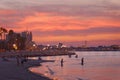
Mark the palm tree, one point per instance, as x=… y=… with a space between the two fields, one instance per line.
x=11 y=32
x=3 y=31
x=11 y=39
x=0 y=35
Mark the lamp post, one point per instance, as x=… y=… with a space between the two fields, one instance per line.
x=15 y=46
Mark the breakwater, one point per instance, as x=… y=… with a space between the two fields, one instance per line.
x=35 y=53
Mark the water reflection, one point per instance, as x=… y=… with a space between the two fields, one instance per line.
x=97 y=66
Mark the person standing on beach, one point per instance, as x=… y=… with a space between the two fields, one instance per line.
x=82 y=61
x=24 y=59
x=18 y=62
x=69 y=56
x=76 y=56
x=62 y=62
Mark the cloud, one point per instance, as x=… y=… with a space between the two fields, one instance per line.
x=86 y=32
x=69 y=38
x=104 y=10
x=61 y=20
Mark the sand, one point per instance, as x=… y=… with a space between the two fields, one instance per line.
x=9 y=70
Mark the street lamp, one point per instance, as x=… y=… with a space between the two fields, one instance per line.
x=34 y=45
x=15 y=46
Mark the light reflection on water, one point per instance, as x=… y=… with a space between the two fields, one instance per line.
x=97 y=66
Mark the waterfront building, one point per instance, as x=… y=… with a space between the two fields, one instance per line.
x=29 y=43
x=19 y=41
x=60 y=45
x=2 y=45
x=27 y=35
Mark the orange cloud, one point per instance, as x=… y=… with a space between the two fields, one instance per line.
x=6 y=12
x=77 y=38
x=44 y=21
x=104 y=22
x=49 y=21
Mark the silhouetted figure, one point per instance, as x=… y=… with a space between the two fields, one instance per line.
x=23 y=60
x=39 y=58
x=82 y=61
x=5 y=59
x=69 y=56
x=18 y=62
x=76 y=56
x=62 y=62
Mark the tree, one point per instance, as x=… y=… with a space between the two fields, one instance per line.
x=0 y=35
x=11 y=32
x=11 y=39
x=3 y=31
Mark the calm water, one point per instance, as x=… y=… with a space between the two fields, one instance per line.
x=97 y=66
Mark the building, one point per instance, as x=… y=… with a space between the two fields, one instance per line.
x=27 y=35
x=29 y=44
x=19 y=41
x=2 y=45
x=60 y=45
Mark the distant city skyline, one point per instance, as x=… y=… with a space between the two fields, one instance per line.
x=66 y=21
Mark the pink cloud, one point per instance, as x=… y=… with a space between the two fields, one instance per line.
x=64 y=22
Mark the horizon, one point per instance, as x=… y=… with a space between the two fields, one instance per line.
x=82 y=43
x=68 y=22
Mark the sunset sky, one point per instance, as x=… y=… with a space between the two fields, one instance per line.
x=67 y=21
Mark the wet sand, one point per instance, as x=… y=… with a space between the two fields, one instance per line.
x=9 y=70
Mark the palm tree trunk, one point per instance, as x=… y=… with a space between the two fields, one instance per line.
x=0 y=36
x=4 y=36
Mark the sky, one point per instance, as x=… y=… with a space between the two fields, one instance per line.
x=68 y=21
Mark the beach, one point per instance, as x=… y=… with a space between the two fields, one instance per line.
x=12 y=68
x=9 y=70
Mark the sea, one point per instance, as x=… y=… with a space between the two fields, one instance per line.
x=97 y=65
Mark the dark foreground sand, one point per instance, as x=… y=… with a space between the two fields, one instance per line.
x=9 y=70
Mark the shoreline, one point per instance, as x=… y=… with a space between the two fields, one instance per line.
x=9 y=70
